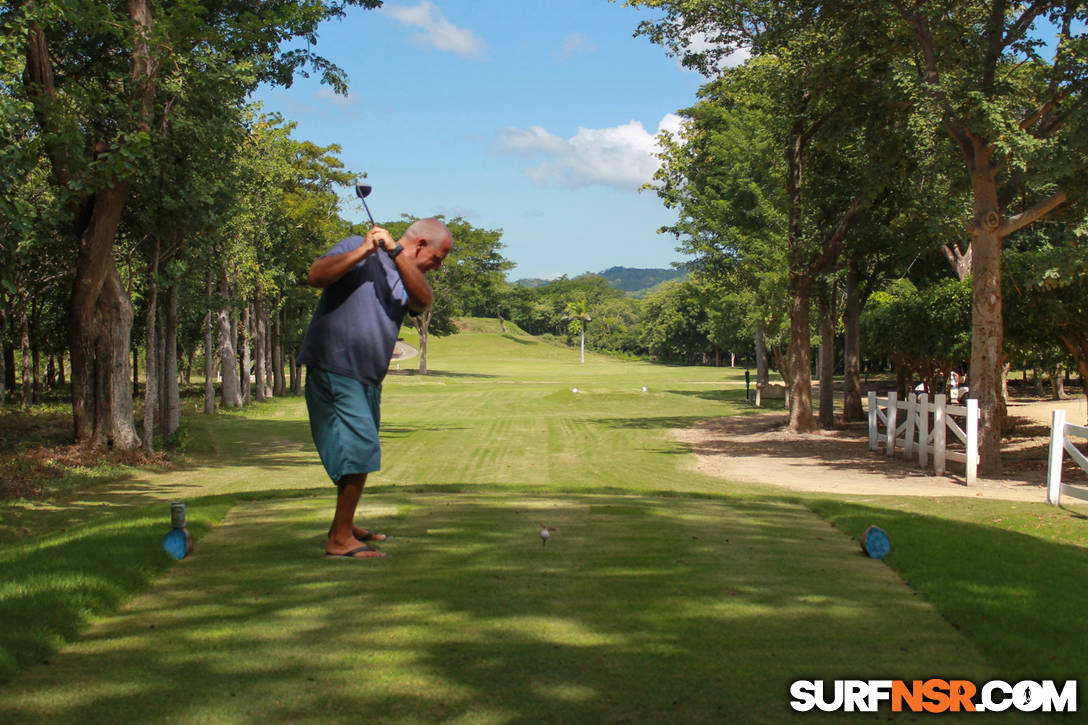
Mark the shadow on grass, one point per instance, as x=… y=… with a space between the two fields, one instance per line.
x=651 y=422
x=54 y=585
x=730 y=394
x=267 y=445
x=471 y=617
x=520 y=340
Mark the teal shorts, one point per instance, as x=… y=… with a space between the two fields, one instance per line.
x=344 y=418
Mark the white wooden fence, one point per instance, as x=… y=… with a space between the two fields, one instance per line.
x=1059 y=445
x=923 y=428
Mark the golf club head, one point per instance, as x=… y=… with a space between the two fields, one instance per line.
x=363 y=191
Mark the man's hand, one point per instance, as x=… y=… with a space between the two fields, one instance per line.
x=378 y=237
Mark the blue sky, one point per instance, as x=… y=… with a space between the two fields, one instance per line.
x=531 y=116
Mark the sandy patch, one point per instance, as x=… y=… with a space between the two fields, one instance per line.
x=756 y=448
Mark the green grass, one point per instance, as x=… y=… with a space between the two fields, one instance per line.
x=1010 y=575
x=640 y=607
x=664 y=595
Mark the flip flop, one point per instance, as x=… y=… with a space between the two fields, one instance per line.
x=370 y=536
x=357 y=550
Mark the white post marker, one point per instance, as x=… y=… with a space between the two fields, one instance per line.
x=893 y=414
x=972 y=440
x=923 y=429
x=908 y=433
x=940 y=435
x=1054 y=461
x=874 y=434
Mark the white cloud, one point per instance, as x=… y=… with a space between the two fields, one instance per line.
x=529 y=141
x=574 y=44
x=438 y=32
x=623 y=157
x=699 y=42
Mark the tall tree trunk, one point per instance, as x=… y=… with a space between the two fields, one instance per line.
x=256 y=319
x=422 y=322
x=209 y=349
x=151 y=390
x=851 y=404
x=100 y=332
x=248 y=335
x=160 y=359
x=987 y=326
x=35 y=351
x=827 y=365
x=10 y=369
x=266 y=320
x=171 y=394
x=231 y=394
x=115 y=422
x=279 y=385
x=762 y=367
x=24 y=343
x=3 y=352
x=235 y=337
x=296 y=373
x=60 y=368
x=799 y=356
x=293 y=373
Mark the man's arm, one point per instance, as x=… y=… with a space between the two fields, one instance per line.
x=420 y=295
x=326 y=270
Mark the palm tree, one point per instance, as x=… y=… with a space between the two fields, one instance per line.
x=577 y=315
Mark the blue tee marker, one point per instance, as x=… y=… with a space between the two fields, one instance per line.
x=177 y=543
x=875 y=542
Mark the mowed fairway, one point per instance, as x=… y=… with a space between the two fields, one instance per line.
x=662 y=596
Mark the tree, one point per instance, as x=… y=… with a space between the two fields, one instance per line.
x=924 y=332
x=1048 y=303
x=577 y=315
x=1017 y=120
x=102 y=79
x=821 y=87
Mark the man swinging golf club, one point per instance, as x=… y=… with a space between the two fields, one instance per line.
x=368 y=284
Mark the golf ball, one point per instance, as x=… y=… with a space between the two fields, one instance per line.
x=574 y=390
x=545 y=534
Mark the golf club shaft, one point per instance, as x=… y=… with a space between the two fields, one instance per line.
x=369 y=214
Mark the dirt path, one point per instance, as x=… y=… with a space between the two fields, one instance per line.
x=755 y=448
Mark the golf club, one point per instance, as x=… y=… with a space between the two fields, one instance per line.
x=363 y=191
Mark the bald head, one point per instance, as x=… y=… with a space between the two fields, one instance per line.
x=431 y=230
x=428 y=241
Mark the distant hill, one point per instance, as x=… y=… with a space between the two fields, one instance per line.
x=626 y=279
x=532 y=282
x=633 y=279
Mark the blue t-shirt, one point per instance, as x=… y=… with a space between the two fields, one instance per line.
x=355 y=326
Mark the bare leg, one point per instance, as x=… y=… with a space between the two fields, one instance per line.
x=341 y=536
